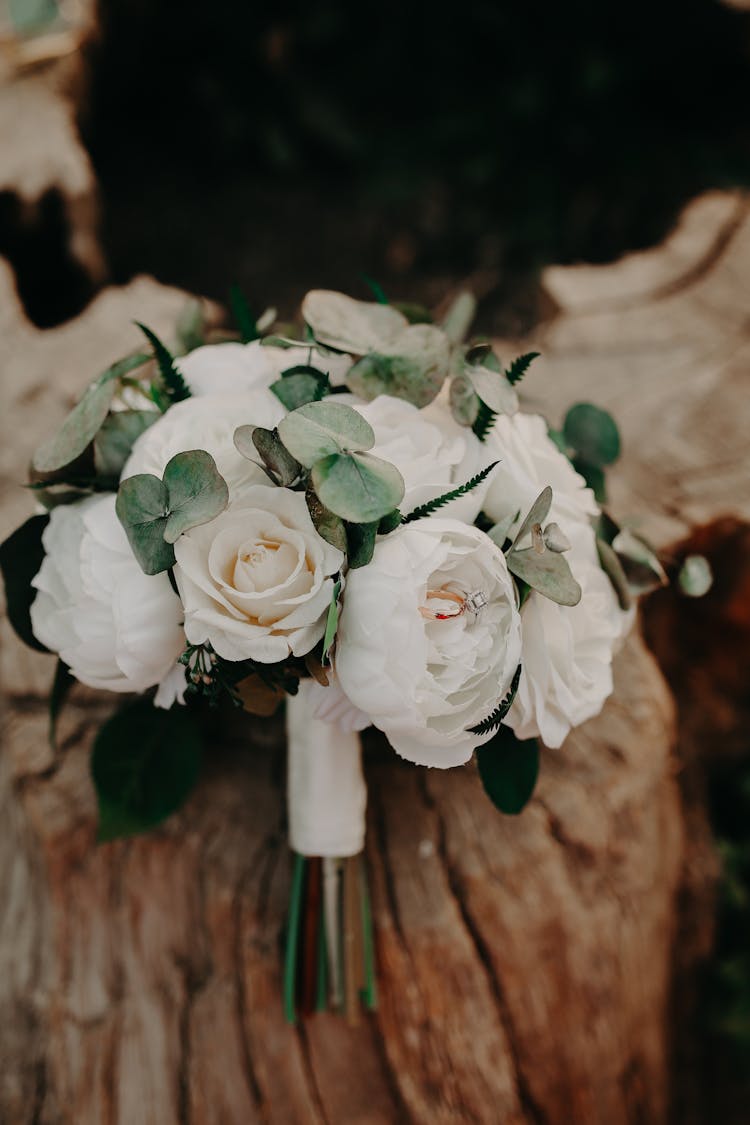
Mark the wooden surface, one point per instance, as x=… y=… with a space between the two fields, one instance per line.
x=525 y=964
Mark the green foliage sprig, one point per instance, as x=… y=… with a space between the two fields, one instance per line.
x=427 y=509
x=484 y=421
x=493 y=721
x=518 y=368
x=173 y=384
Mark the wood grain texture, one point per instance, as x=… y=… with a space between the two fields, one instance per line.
x=525 y=964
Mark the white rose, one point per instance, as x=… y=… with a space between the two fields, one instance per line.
x=567 y=650
x=208 y=423
x=114 y=626
x=233 y=368
x=424 y=681
x=255 y=582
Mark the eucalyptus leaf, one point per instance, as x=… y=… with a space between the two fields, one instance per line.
x=142 y=509
x=21 y=556
x=592 y=433
x=328 y=526
x=461 y=313
x=537 y=514
x=114 y=442
x=332 y=621
x=82 y=424
x=500 y=532
x=594 y=477
x=696 y=577
x=320 y=429
x=360 y=543
x=412 y=367
x=144 y=764
x=197 y=492
x=548 y=573
x=297 y=389
x=390 y=522
x=357 y=486
x=555 y=538
x=252 y=441
x=493 y=388
x=612 y=567
x=508 y=768
x=464 y=401
x=640 y=562
x=348 y=325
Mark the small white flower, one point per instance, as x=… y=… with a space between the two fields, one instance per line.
x=423 y=681
x=208 y=423
x=256 y=581
x=114 y=626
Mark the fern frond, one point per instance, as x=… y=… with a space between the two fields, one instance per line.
x=174 y=385
x=484 y=420
x=440 y=501
x=493 y=721
x=519 y=367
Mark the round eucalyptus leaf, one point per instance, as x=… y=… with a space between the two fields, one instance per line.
x=412 y=367
x=493 y=388
x=141 y=506
x=357 y=487
x=348 y=325
x=508 y=768
x=114 y=442
x=464 y=401
x=299 y=388
x=696 y=577
x=592 y=433
x=547 y=573
x=320 y=429
x=197 y=492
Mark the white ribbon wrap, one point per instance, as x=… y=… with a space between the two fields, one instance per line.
x=326 y=790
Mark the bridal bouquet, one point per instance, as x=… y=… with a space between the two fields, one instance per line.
x=354 y=517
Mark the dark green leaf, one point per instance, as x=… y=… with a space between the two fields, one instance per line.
x=21 y=556
x=415 y=314
x=61 y=686
x=509 y=769
x=431 y=506
x=280 y=465
x=298 y=388
x=390 y=522
x=144 y=764
x=376 y=289
x=612 y=567
x=82 y=424
x=519 y=367
x=175 y=386
x=360 y=543
x=592 y=433
x=495 y=719
x=328 y=526
x=594 y=477
x=244 y=319
x=484 y=421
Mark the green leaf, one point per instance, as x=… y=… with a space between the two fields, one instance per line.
x=114 y=442
x=390 y=522
x=82 y=424
x=145 y=762
x=332 y=621
x=484 y=421
x=492 y=388
x=191 y=325
x=415 y=314
x=495 y=719
x=594 y=477
x=464 y=401
x=508 y=768
x=21 y=556
x=548 y=573
x=695 y=578
x=360 y=543
x=197 y=492
x=558 y=438
x=500 y=532
x=61 y=686
x=519 y=367
x=320 y=429
x=244 y=319
x=612 y=567
x=592 y=433
x=431 y=506
x=640 y=562
x=297 y=389
x=328 y=526
x=357 y=486
x=142 y=508
x=412 y=367
x=278 y=461
x=175 y=386
x=461 y=313
x=376 y=288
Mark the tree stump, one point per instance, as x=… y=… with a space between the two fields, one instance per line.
x=524 y=964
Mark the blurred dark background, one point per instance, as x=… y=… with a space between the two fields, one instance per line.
x=281 y=146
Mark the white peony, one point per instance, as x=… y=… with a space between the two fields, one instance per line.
x=256 y=581
x=114 y=626
x=233 y=368
x=424 y=681
x=208 y=423
x=567 y=650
